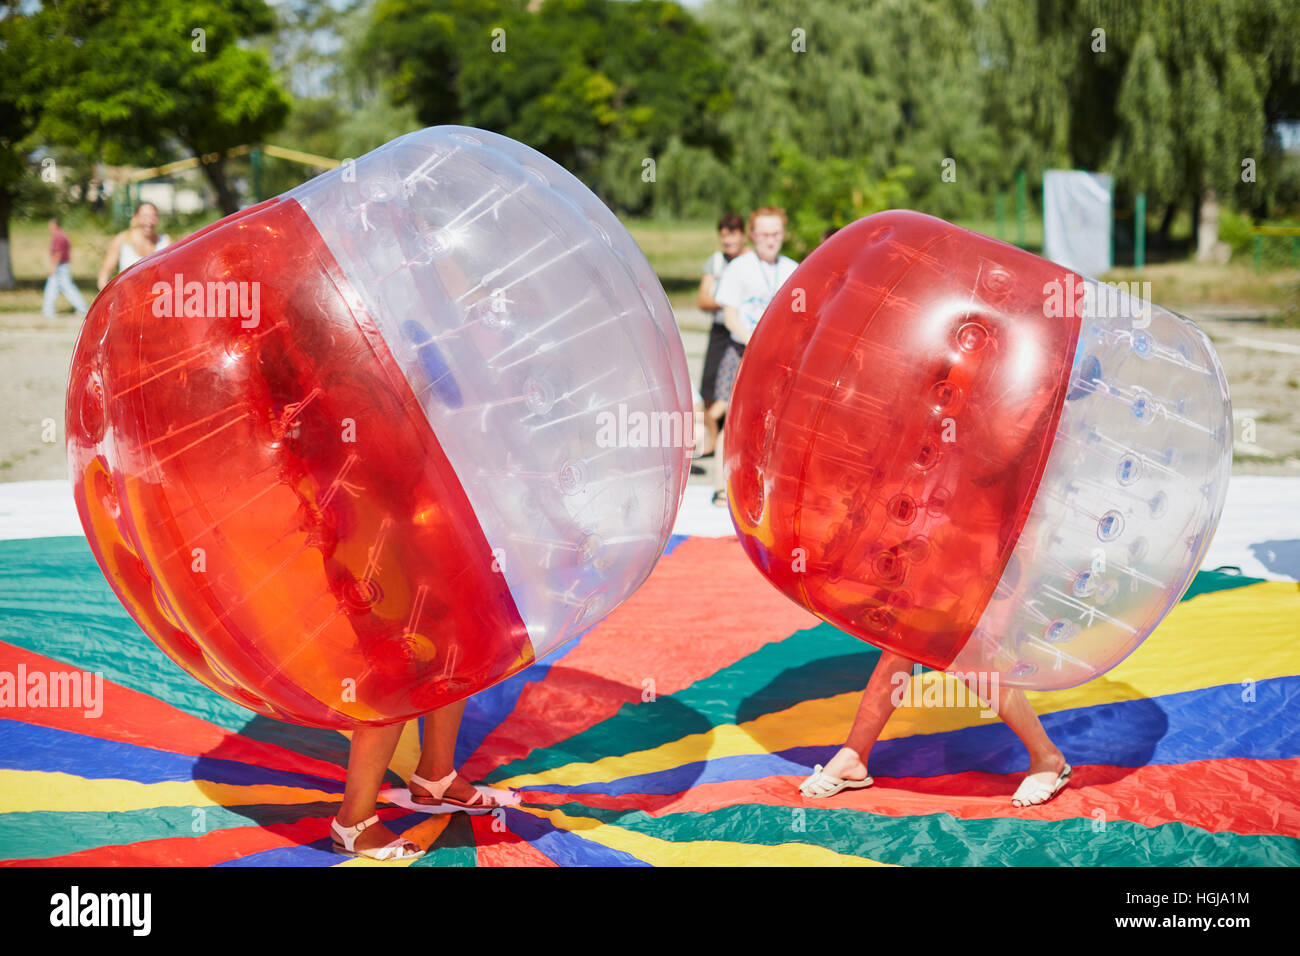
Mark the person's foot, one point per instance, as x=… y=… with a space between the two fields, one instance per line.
x=847 y=765
x=1039 y=784
x=459 y=789
x=846 y=771
x=373 y=837
x=720 y=498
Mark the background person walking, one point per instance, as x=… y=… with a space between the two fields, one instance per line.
x=60 y=278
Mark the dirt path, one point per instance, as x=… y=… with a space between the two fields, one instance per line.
x=1262 y=364
x=34 y=356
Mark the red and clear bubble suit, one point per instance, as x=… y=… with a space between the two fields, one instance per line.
x=365 y=449
x=961 y=452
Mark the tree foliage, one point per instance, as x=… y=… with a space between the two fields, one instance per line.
x=129 y=80
x=1170 y=96
x=831 y=108
x=596 y=85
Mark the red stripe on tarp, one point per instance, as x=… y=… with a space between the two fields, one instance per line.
x=504 y=848
x=655 y=634
x=1235 y=795
x=132 y=717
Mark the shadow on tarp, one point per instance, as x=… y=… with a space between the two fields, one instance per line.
x=638 y=725
x=1120 y=736
x=1280 y=557
x=326 y=745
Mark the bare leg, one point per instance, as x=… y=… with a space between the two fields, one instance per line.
x=874 y=710
x=1045 y=760
x=438 y=752
x=708 y=423
x=719 y=475
x=368 y=757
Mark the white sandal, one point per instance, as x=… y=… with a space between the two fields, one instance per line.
x=345 y=839
x=436 y=802
x=1033 y=793
x=822 y=784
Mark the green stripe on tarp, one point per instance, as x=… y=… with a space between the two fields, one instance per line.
x=55 y=601
x=940 y=838
x=39 y=834
x=1207 y=582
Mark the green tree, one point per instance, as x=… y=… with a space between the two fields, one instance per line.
x=133 y=79
x=583 y=81
x=890 y=88
x=20 y=111
x=1142 y=153
x=1169 y=96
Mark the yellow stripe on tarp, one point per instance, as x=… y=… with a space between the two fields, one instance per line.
x=407 y=755
x=725 y=740
x=31 y=790
x=659 y=852
x=1250 y=632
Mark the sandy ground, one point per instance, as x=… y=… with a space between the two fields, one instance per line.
x=1262 y=365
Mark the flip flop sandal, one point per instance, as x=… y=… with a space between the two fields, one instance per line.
x=1033 y=793
x=822 y=784
x=345 y=838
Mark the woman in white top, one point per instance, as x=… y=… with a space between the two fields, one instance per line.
x=134 y=243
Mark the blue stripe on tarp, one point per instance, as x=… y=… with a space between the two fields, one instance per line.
x=563 y=847
x=673 y=541
x=697 y=773
x=316 y=853
x=1179 y=728
x=26 y=746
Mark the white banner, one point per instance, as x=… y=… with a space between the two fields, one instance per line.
x=1077 y=220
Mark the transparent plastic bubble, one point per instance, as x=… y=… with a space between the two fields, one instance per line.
x=1084 y=453
x=338 y=452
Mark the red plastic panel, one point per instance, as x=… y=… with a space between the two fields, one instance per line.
x=890 y=424
x=266 y=496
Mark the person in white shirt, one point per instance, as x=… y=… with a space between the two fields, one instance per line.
x=748 y=284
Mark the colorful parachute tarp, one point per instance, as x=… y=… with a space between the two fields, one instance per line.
x=675 y=732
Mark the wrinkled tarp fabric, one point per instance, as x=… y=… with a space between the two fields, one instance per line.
x=675 y=732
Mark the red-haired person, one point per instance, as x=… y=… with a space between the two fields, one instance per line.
x=747 y=285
